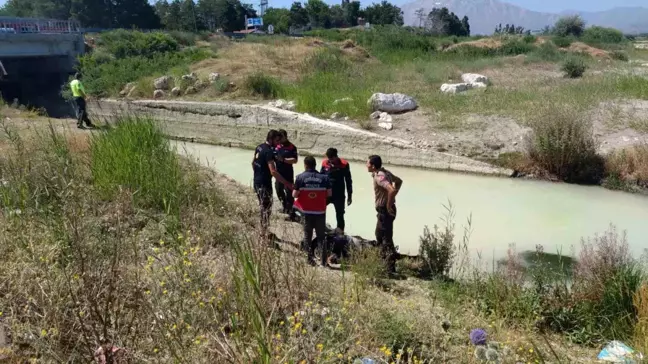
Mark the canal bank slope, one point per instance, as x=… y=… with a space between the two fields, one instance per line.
x=244 y=126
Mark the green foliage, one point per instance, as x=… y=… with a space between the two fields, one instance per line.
x=511 y=29
x=563 y=144
x=259 y=84
x=184 y=39
x=279 y=18
x=130 y=43
x=384 y=13
x=107 y=78
x=546 y=52
x=595 y=35
x=574 y=67
x=569 y=26
x=319 y=13
x=562 y=41
x=443 y=22
x=298 y=15
x=620 y=56
x=531 y=39
x=134 y=153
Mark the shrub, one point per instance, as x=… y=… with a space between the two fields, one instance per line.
x=184 y=38
x=547 y=51
x=261 y=85
x=135 y=154
x=600 y=35
x=529 y=39
x=437 y=251
x=130 y=43
x=574 y=67
x=620 y=56
x=562 y=42
x=108 y=78
x=330 y=60
x=569 y=25
x=562 y=143
x=514 y=47
x=630 y=165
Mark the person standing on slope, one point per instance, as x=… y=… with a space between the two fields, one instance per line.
x=263 y=165
x=79 y=94
x=286 y=156
x=386 y=187
x=339 y=173
x=311 y=192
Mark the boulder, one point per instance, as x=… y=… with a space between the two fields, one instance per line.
x=190 y=90
x=127 y=89
x=375 y=115
x=176 y=91
x=454 y=88
x=213 y=77
x=283 y=104
x=280 y=104
x=391 y=103
x=158 y=94
x=162 y=83
x=472 y=78
x=192 y=77
x=386 y=126
x=478 y=85
x=384 y=118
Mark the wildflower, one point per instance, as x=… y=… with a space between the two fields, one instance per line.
x=155 y=250
x=531 y=351
x=320 y=347
x=155 y=350
x=388 y=352
x=147 y=292
x=280 y=324
x=162 y=284
x=197 y=341
x=340 y=356
x=303 y=331
x=43 y=333
x=278 y=336
x=165 y=292
x=81 y=313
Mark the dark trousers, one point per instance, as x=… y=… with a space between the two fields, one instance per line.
x=317 y=223
x=339 y=202
x=82 y=113
x=285 y=196
x=385 y=237
x=264 y=194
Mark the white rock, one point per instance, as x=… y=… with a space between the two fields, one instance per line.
x=478 y=85
x=190 y=77
x=472 y=78
x=158 y=94
x=386 y=126
x=391 y=103
x=644 y=65
x=290 y=106
x=335 y=116
x=162 y=83
x=375 y=115
x=213 y=77
x=176 y=91
x=280 y=103
x=454 y=88
x=385 y=118
x=346 y=99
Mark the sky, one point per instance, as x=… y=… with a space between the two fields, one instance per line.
x=538 y=5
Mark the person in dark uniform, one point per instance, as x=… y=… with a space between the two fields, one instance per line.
x=286 y=156
x=311 y=192
x=339 y=173
x=386 y=187
x=263 y=165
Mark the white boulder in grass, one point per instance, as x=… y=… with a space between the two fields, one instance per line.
x=472 y=78
x=455 y=88
x=391 y=103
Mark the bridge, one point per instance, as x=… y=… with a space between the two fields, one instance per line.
x=37 y=56
x=47 y=44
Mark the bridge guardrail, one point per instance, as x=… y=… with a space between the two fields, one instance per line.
x=14 y=25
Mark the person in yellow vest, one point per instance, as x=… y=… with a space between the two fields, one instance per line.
x=78 y=92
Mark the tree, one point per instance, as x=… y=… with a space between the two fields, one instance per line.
x=188 y=17
x=569 y=25
x=420 y=15
x=135 y=13
x=511 y=29
x=352 y=12
x=338 y=19
x=279 y=18
x=384 y=14
x=319 y=14
x=298 y=15
x=443 y=22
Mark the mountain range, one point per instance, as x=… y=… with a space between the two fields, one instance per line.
x=485 y=15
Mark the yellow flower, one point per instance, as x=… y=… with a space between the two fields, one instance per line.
x=43 y=332
x=147 y=292
x=280 y=324
x=340 y=356
x=197 y=341
x=303 y=332
x=320 y=347
x=165 y=292
x=278 y=336
x=531 y=350
x=162 y=284
x=155 y=350
x=388 y=352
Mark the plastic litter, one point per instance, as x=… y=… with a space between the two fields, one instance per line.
x=618 y=352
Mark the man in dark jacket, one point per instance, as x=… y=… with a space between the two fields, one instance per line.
x=285 y=156
x=339 y=173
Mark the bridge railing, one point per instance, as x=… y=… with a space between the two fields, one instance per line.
x=43 y=26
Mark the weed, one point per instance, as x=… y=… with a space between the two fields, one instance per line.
x=563 y=144
x=640 y=301
x=596 y=35
x=131 y=43
x=630 y=165
x=259 y=84
x=135 y=154
x=620 y=56
x=184 y=38
x=548 y=52
x=574 y=67
x=562 y=42
x=531 y=39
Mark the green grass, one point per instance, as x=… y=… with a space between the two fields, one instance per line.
x=262 y=85
x=133 y=153
x=107 y=78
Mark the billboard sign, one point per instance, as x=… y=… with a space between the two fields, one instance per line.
x=254 y=22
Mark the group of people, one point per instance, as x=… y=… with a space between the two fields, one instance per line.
x=310 y=192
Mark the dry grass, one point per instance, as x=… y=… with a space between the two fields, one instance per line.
x=491 y=43
x=240 y=60
x=641 y=330
x=630 y=164
x=579 y=47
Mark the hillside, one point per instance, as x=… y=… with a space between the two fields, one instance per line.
x=486 y=14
